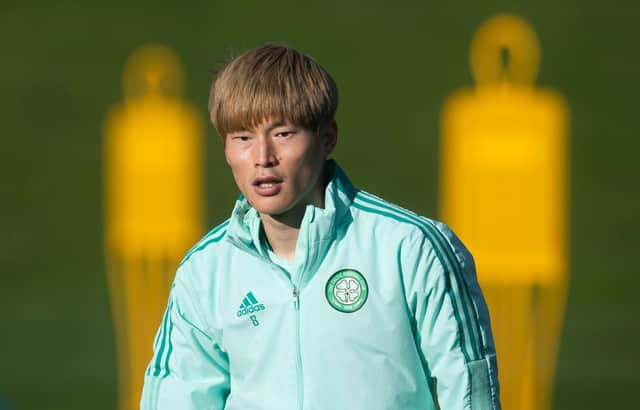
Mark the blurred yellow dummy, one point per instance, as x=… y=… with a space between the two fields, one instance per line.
x=504 y=183
x=153 y=203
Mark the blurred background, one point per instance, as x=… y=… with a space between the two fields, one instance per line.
x=395 y=64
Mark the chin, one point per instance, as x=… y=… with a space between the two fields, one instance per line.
x=270 y=206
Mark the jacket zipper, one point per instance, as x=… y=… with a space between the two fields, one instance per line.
x=296 y=305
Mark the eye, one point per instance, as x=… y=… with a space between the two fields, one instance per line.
x=285 y=134
x=240 y=138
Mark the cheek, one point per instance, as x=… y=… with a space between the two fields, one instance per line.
x=235 y=163
x=231 y=156
x=310 y=166
x=310 y=155
x=236 y=158
x=315 y=158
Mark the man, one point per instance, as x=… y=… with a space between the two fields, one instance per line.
x=314 y=294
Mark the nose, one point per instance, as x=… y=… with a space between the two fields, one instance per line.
x=265 y=155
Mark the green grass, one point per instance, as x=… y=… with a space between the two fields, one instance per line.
x=60 y=73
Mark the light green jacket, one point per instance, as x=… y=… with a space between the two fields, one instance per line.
x=381 y=310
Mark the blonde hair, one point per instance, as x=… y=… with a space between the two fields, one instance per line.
x=272 y=81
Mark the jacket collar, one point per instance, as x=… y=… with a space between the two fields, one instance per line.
x=318 y=230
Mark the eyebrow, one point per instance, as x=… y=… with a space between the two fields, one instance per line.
x=271 y=127
x=276 y=124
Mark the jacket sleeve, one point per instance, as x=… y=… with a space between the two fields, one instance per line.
x=452 y=324
x=188 y=369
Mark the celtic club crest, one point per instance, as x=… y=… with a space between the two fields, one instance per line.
x=347 y=290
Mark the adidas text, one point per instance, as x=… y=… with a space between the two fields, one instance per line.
x=251 y=309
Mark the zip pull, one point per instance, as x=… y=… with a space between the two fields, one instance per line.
x=296 y=298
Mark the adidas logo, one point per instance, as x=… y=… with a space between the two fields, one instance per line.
x=250 y=305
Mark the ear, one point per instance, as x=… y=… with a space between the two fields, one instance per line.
x=330 y=137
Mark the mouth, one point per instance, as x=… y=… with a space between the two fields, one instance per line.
x=266 y=181
x=267 y=185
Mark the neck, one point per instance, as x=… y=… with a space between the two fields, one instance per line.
x=282 y=230
x=282 y=234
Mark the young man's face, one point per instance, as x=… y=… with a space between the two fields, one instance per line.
x=279 y=166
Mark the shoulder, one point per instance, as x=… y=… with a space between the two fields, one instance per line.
x=207 y=246
x=396 y=221
x=375 y=211
x=198 y=273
